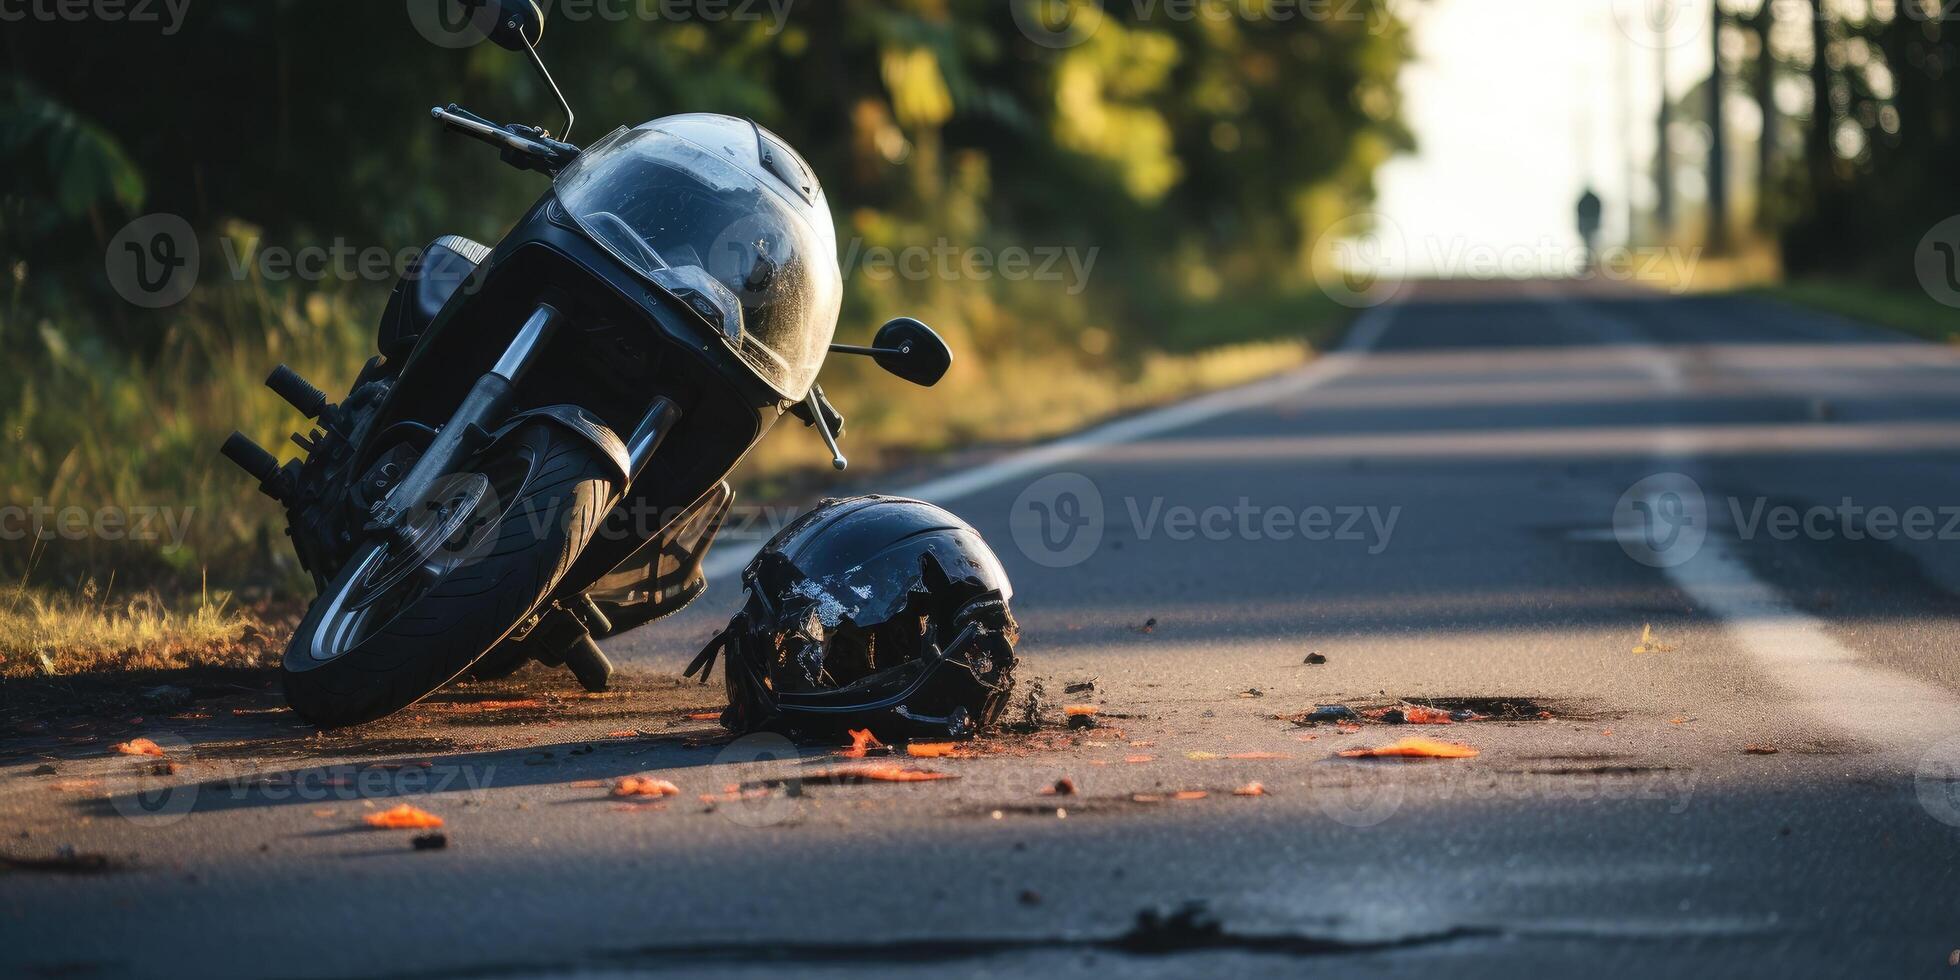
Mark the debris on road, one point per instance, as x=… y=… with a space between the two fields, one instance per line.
x=1149 y=626
x=1063 y=787
x=1314 y=659
x=632 y=786
x=65 y=860
x=935 y=750
x=1254 y=788
x=403 y=817
x=1325 y=713
x=1081 y=715
x=863 y=743
x=1252 y=692
x=1760 y=748
x=139 y=746
x=1082 y=687
x=877 y=774
x=1413 y=747
x=431 y=842
x=1648 y=644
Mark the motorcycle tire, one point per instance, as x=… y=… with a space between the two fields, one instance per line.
x=339 y=672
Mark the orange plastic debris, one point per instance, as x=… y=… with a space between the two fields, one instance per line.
x=1078 y=710
x=861 y=742
x=934 y=750
x=644 y=786
x=139 y=746
x=1250 y=789
x=403 y=817
x=1420 y=715
x=704 y=716
x=897 y=774
x=1412 y=748
x=1189 y=794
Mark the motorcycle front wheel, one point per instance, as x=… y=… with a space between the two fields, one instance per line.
x=408 y=614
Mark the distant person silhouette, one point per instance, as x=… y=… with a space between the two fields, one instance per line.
x=1590 y=209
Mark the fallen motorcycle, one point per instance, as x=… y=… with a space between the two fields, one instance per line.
x=478 y=499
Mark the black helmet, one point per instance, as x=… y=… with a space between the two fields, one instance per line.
x=869 y=612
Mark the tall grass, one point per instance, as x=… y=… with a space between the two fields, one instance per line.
x=110 y=461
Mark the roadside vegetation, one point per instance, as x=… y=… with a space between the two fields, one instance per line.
x=1908 y=310
x=1166 y=178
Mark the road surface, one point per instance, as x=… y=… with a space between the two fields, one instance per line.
x=1689 y=531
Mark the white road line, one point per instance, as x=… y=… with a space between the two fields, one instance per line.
x=1899 y=714
x=728 y=557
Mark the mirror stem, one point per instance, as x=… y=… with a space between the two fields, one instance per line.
x=813 y=401
x=545 y=73
x=867 y=351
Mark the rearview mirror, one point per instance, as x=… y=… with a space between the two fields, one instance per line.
x=520 y=23
x=909 y=349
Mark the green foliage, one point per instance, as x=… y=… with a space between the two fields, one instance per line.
x=1184 y=163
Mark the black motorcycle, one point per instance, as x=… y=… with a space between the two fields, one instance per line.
x=538 y=456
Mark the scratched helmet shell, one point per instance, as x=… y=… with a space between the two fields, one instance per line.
x=870 y=612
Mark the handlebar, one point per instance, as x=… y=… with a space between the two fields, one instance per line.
x=524 y=147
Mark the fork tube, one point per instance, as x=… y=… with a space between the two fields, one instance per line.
x=486 y=404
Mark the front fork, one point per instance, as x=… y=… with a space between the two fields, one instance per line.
x=487 y=404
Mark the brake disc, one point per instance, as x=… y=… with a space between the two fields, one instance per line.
x=424 y=531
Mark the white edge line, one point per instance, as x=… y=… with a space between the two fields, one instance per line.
x=728 y=558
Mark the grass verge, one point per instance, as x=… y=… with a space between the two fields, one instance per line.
x=1909 y=311
x=45 y=633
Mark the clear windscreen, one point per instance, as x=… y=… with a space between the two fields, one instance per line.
x=707 y=232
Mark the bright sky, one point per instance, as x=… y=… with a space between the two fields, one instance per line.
x=1517 y=105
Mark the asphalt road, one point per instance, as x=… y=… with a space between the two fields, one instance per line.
x=1681 y=528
